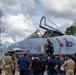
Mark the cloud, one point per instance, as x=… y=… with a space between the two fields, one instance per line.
x=60 y=8
x=16 y=16
x=22 y=16
x=18 y=26
x=9 y=6
x=29 y=3
x=17 y=6
x=29 y=7
x=55 y=8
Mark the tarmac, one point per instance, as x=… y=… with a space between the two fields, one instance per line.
x=17 y=73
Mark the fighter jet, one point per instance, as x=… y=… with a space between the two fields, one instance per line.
x=36 y=42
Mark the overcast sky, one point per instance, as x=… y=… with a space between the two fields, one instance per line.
x=22 y=17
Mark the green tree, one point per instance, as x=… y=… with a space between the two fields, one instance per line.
x=71 y=30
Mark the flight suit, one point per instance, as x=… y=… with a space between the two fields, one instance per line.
x=8 y=65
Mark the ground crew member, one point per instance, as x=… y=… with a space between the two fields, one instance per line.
x=50 y=47
x=24 y=64
x=8 y=64
x=52 y=65
x=74 y=58
x=69 y=65
x=14 y=60
x=1 y=64
x=44 y=60
x=36 y=66
x=47 y=49
x=60 y=65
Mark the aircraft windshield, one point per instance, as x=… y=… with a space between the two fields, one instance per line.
x=36 y=34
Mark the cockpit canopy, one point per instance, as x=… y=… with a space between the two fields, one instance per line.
x=48 y=33
x=49 y=30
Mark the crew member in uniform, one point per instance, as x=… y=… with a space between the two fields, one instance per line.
x=50 y=47
x=8 y=64
x=14 y=60
x=47 y=49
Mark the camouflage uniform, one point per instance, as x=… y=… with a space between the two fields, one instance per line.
x=69 y=67
x=8 y=65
